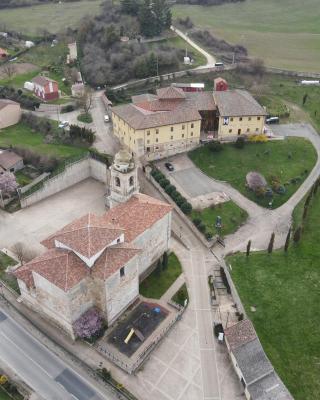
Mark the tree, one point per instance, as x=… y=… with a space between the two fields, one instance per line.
x=270 y=246
x=165 y=261
x=9 y=69
x=89 y=325
x=286 y=245
x=8 y=183
x=23 y=254
x=305 y=98
x=111 y=36
x=130 y=7
x=85 y=101
x=297 y=235
x=147 y=19
x=158 y=268
x=248 y=248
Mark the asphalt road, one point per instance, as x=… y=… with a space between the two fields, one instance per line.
x=38 y=367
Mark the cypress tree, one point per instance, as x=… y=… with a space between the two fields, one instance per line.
x=248 y=248
x=270 y=246
x=297 y=235
x=286 y=246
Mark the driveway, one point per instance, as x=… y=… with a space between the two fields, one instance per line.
x=32 y=224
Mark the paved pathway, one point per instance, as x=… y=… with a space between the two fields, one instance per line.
x=210 y=59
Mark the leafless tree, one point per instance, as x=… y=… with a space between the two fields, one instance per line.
x=85 y=101
x=9 y=70
x=23 y=254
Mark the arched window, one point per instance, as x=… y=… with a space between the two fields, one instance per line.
x=117 y=181
x=131 y=181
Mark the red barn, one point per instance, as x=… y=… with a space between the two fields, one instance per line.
x=220 y=84
x=45 y=88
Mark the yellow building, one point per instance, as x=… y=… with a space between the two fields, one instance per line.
x=172 y=121
x=161 y=125
x=239 y=114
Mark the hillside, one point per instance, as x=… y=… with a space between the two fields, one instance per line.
x=285 y=33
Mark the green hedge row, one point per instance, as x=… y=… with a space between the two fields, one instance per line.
x=171 y=190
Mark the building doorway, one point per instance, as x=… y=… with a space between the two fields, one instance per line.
x=239 y=131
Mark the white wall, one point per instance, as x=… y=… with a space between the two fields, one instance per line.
x=74 y=173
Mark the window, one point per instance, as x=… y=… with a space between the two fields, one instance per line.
x=257 y=129
x=248 y=130
x=157 y=131
x=191 y=134
x=131 y=180
x=183 y=127
x=259 y=118
x=11 y=169
x=157 y=140
x=249 y=118
x=240 y=119
x=117 y=181
x=182 y=135
x=148 y=141
x=148 y=149
x=171 y=137
x=231 y=119
x=192 y=125
x=118 y=240
x=230 y=130
x=122 y=272
x=171 y=129
x=148 y=133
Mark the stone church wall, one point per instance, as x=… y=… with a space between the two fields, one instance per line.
x=154 y=242
x=122 y=291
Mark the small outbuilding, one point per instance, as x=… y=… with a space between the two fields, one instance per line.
x=220 y=84
x=10 y=161
x=45 y=88
x=10 y=113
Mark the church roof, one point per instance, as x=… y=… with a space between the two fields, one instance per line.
x=88 y=235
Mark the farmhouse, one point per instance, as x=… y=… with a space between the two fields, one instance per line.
x=10 y=161
x=174 y=120
x=251 y=364
x=10 y=113
x=96 y=261
x=45 y=88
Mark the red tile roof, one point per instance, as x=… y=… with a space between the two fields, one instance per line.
x=8 y=159
x=42 y=80
x=64 y=269
x=171 y=92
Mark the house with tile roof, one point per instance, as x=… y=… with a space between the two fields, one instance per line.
x=173 y=120
x=45 y=88
x=96 y=261
x=255 y=371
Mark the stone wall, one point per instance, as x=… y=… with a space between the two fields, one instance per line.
x=153 y=242
x=73 y=173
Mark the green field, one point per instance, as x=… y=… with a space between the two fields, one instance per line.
x=4 y=395
x=284 y=288
x=51 y=17
x=155 y=285
x=22 y=136
x=232 y=217
x=287 y=159
x=285 y=33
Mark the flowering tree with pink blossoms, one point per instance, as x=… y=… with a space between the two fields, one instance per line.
x=8 y=183
x=90 y=325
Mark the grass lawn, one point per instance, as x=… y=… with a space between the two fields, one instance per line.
x=86 y=118
x=284 y=288
x=232 y=217
x=285 y=33
x=44 y=55
x=155 y=285
x=181 y=295
x=9 y=279
x=4 y=395
x=179 y=43
x=287 y=159
x=32 y=20
x=22 y=179
x=19 y=80
x=22 y=136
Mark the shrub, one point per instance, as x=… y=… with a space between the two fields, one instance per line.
x=260 y=191
x=164 y=182
x=180 y=200
x=186 y=207
x=202 y=227
x=215 y=146
x=240 y=142
x=196 y=221
x=209 y=235
x=86 y=118
x=258 y=138
x=175 y=195
x=169 y=189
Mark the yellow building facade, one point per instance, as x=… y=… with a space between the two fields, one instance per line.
x=246 y=125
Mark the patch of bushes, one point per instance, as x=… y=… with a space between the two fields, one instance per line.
x=26 y=101
x=42 y=162
x=215 y=147
x=257 y=138
x=85 y=117
x=171 y=190
x=81 y=133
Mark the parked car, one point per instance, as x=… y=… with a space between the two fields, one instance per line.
x=219 y=64
x=169 y=166
x=106 y=118
x=63 y=124
x=272 y=120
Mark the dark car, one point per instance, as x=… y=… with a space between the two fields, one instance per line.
x=169 y=166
